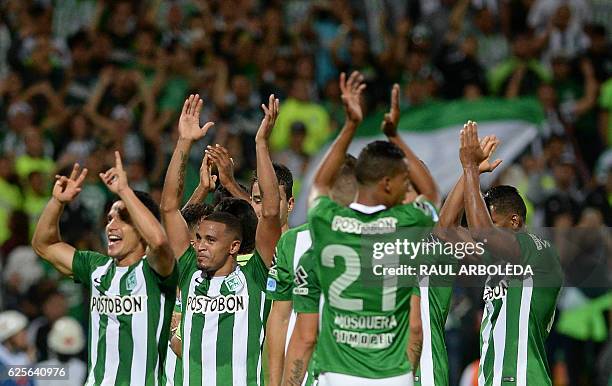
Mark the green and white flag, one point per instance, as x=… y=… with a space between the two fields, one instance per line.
x=432 y=132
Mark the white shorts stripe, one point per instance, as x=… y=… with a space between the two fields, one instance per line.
x=521 y=365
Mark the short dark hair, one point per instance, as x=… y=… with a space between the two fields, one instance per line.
x=222 y=193
x=284 y=177
x=248 y=219
x=377 y=160
x=506 y=200
x=148 y=201
x=193 y=213
x=229 y=220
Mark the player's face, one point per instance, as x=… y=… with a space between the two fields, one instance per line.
x=399 y=185
x=123 y=238
x=286 y=206
x=215 y=246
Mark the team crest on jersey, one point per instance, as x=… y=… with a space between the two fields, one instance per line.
x=300 y=281
x=233 y=282
x=131 y=282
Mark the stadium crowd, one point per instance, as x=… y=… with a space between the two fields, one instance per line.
x=80 y=79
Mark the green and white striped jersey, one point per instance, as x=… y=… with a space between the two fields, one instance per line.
x=222 y=324
x=436 y=293
x=173 y=371
x=290 y=247
x=517 y=319
x=129 y=324
x=365 y=317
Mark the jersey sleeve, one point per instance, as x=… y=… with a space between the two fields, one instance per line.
x=280 y=276
x=307 y=289
x=166 y=284
x=84 y=263
x=186 y=264
x=539 y=254
x=257 y=269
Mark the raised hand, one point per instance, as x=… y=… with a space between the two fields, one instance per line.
x=221 y=158
x=115 y=178
x=391 y=119
x=189 y=122
x=67 y=188
x=269 y=119
x=208 y=181
x=488 y=145
x=351 y=96
x=470 y=152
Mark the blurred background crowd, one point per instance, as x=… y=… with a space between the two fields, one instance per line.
x=81 y=78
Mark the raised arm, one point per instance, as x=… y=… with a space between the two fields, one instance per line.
x=207 y=182
x=225 y=166
x=269 y=227
x=189 y=131
x=419 y=174
x=498 y=241
x=47 y=242
x=334 y=158
x=159 y=253
x=451 y=211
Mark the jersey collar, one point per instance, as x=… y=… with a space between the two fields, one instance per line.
x=367 y=209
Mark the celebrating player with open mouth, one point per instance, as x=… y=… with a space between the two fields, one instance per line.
x=132 y=287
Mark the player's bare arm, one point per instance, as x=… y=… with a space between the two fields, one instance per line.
x=278 y=321
x=225 y=166
x=269 y=227
x=499 y=241
x=206 y=184
x=419 y=174
x=351 y=89
x=447 y=227
x=47 y=242
x=415 y=334
x=301 y=346
x=189 y=132
x=159 y=253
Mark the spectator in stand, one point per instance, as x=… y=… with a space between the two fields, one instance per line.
x=54 y=307
x=522 y=73
x=10 y=195
x=66 y=341
x=14 y=348
x=294 y=156
x=299 y=108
